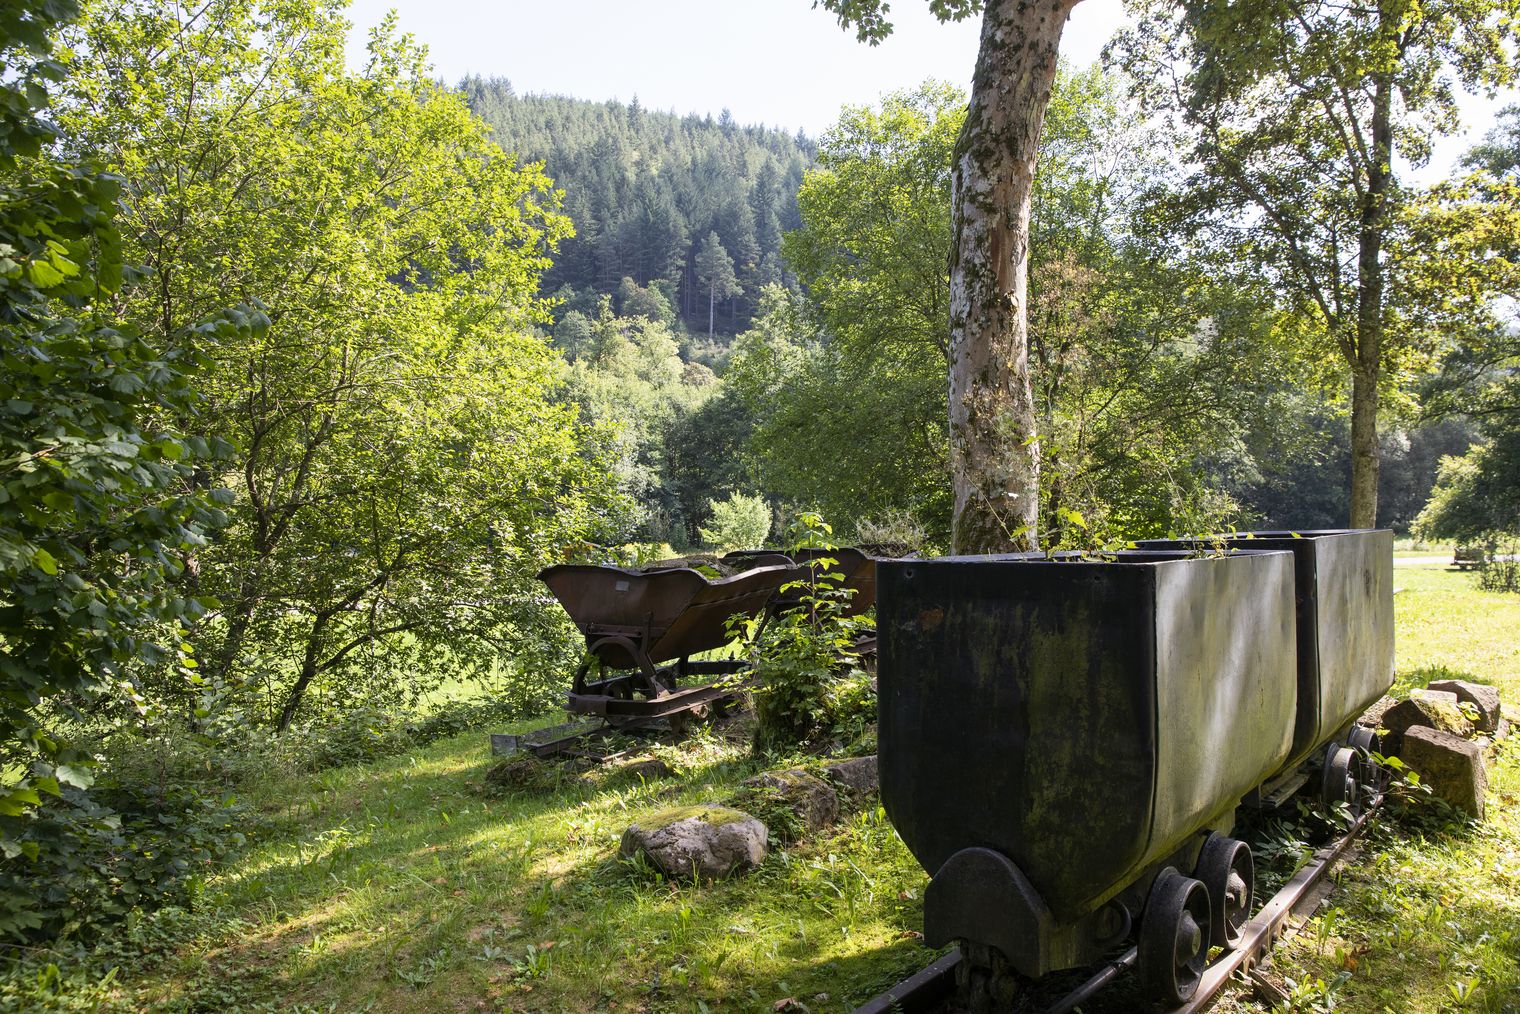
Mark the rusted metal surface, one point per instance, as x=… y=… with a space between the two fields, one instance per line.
x=634 y=618
x=922 y=992
x=541 y=741
x=637 y=621
x=1052 y=731
x=1268 y=925
x=855 y=565
x=1343 y=589
x=671 y=704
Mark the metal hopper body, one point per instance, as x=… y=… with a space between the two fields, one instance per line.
x=1343 y=593
x=634 y=621
x=1053 y=732
x=855 y=566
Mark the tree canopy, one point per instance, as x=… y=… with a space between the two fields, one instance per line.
x=402 y=466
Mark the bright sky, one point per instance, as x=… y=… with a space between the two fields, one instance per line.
x=778 y=62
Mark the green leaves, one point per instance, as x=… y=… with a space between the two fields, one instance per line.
x=77 y=776
x=401 y=464
x=99 y=502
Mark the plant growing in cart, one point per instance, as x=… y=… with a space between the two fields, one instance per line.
x=810 y=679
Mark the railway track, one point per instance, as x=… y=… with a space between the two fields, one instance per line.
x=928 y=990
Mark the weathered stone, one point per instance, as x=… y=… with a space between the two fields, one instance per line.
x=1424 y=709
x=1450 y=765
x=648 y=769
x=857 y=774
x=705 y=842
x=812 y=799
x=1483 y=698
x=1373 y=716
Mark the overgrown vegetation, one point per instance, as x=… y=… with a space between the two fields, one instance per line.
x=812 y=686
x=305 y=373
x=402 y=882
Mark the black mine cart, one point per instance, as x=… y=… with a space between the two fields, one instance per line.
x=1343 y=594
x=1064 y=740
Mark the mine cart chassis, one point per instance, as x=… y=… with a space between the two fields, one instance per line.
x=1179 y=915
x=649 y=691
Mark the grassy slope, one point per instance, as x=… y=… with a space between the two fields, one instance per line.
x=400 y=886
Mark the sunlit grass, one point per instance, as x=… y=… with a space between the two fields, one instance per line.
x=401 y=886
x=1427 y=922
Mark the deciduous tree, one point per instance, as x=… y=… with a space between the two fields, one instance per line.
x=403 y=467
x=100 y=503
x=994 y=448
x=1300 y=114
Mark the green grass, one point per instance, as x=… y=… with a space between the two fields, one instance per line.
x=1408 y=545
x=1428 y=922
x=404 y=885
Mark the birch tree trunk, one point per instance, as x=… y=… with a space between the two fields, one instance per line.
x=1367 y=362
x=994 y=453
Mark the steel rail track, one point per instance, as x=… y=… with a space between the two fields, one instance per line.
x=925 y=991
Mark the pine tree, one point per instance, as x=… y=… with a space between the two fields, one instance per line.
x=715 y=271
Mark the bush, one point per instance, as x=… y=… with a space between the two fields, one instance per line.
x=897 y=530
x=810 y=684
x=90 y=860
x=740 y=522
x=1500 y=569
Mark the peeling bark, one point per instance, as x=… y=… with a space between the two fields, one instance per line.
x=994 y=453
x=1366 y=364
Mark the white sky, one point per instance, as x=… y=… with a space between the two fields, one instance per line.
x=777 y=62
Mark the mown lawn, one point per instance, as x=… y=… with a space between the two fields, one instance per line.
x=405 y=885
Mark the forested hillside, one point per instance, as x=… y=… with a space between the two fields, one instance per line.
x=646 y=191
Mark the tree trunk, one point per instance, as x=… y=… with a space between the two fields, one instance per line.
x=1364 y=449
x=303 y=680
x=1366 y=369
x=712 y=302
x=994 y=456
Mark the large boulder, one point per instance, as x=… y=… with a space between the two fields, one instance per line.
x=812 y=800
x=703 y=842
x=1425 y=709
x=858 y=774
x=1450 y=765
x=1483 y=698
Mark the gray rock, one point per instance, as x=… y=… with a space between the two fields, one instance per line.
x=1450 y=765
x=812 y=799
x=1483 y=698
x=857 y=774
x=704 y=842
x=1424 y=709
x=1373 y=716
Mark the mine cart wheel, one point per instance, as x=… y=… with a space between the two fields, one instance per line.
x=985 y=983
x=1340 y=777
x=1361 y=739
x=1174 y=937
x=1227 y=870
